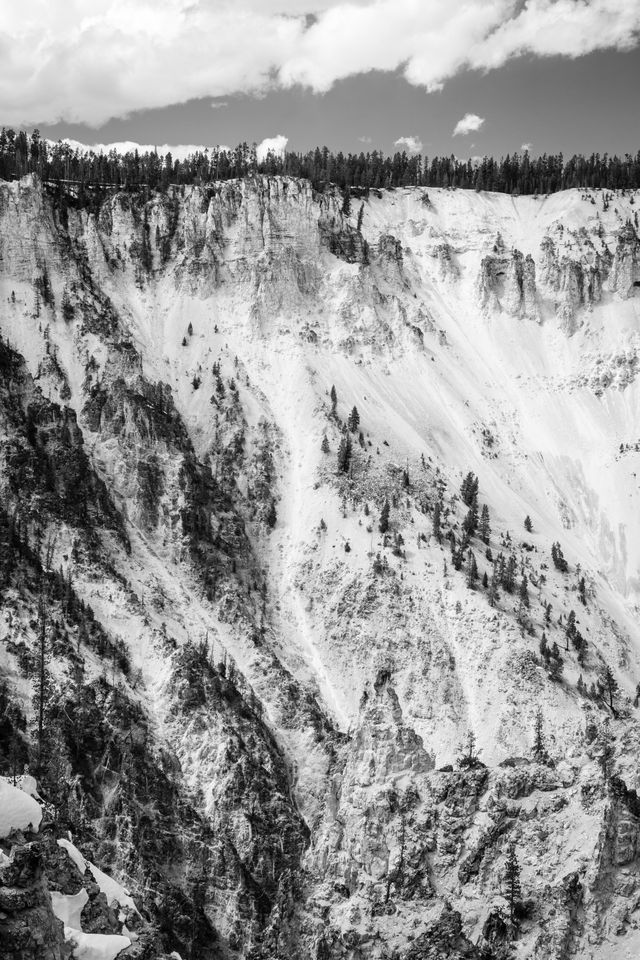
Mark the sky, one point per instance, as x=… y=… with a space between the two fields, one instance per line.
x=469 y=77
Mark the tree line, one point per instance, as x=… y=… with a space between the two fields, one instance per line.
x=21 y=154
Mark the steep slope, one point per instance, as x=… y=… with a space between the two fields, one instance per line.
x=313 y=678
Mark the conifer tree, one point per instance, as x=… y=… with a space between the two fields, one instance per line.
x=469 y=759
x=557 y=556
x=545 y=653
x=539 y=747
x=354 y=420
x=334 y=399
x=509 y=575
x=469 y=489
x=325 y=444
x=606 y=752
x=485 y=528
x=524 y=592
x=527 y=524
x=493 y=586
x=383 y=525
x=582 y=591
x=470 y=522
x=344 y=453
x=472 y=570
x=435 y=522
x=555 y=664
x=610 y=685
x=513 y=890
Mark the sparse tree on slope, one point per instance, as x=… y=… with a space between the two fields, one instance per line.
x=524 y=593
x=513 y=890
x=383 y=525
x=353 y=421
x=469 y=489
x=344 y=453
x=539 y=747
x=606 y=751
x=609 y=685
x=436 y=521
x=485 y=529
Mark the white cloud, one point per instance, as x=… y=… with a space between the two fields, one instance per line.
x=526 y=147
x=91 y=60
x=276 y=145
x=410 y=144
x=469 y=124
x=178 y=151
x=364 y=139
x=218 y=104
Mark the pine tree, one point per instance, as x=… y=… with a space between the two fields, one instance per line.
x=555 y=664
x=582 y=591
x=334 y=399
x=610 y=685
x=539 y=747
x=470 y=522
x=513 y=890
x=67 y=306
x=485 y=529
x=469 y=489
x=353 y=421
x=527 y=524
x=493 y=586
x=472 y=570
x=468 y=758
x=435 y=522
x=524 y=593
x=544 y=649
x=606 y=752
x=344 y=453
x=325 y=444
x=509 y=575
x=383 y=524
x=557 y=556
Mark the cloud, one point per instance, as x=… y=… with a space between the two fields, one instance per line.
x=96 y=59
x=218 y=104
x=178 y=151
x=526 y=147
x=469 y=124
x=275 y=145
x=410 y=144
x=364 y=139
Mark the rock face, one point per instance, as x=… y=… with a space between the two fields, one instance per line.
x=625 y=269
x=509 y=284
x=28 y=928
x=291 y=680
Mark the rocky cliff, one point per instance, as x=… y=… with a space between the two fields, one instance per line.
x=276 y=670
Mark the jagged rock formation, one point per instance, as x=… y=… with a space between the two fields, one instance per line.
x=256 y=689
